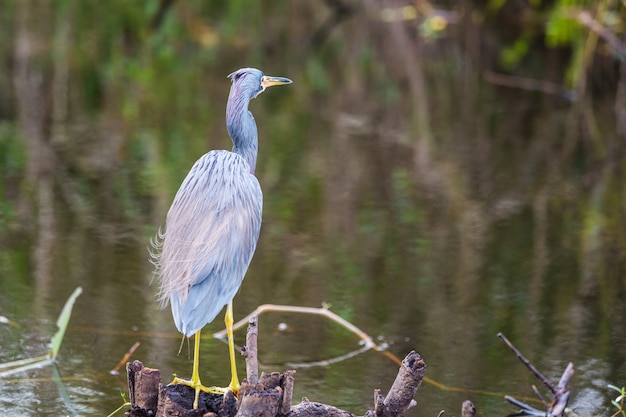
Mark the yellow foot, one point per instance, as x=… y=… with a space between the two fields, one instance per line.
x=234 y=387
x=197 y=387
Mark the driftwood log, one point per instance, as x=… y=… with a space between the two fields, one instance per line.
x=268 y=395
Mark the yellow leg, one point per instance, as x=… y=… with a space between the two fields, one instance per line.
x=195 y=375
x=228 y=320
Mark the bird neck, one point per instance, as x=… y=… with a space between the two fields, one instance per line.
x=242 y=128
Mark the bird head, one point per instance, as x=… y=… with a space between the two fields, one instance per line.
x=253 y=82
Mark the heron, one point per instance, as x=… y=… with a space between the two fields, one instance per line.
x=212 y=228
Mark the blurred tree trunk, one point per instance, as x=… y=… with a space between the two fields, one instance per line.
x=61 y=68
x=30 y=91
x=29 y=81
x=620 y=101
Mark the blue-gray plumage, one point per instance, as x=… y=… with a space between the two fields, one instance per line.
x=208 y=257
x=213 y=225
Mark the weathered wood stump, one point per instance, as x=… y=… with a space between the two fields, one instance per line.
x=270 y=396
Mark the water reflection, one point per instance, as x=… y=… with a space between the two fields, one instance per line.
x=422 y=204
x=422 y=273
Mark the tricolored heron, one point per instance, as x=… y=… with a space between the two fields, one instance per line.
x=212 y=227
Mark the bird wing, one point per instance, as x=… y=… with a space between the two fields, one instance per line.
x=210 y=236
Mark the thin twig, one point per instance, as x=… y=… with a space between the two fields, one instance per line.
x=379 y=403
x=525 y=407
x=125 y=358
x=538 y=394
x=530 y=84
x=586 y=19
x=527 y=363
x=323 y=311
x=326 y=362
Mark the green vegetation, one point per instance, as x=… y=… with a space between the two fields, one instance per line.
x=618 y=402
x=22 y=365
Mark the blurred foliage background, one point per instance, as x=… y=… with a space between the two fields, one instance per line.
x=472 y=153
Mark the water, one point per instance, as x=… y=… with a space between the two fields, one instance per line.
x=431 y=218
x=410 y=280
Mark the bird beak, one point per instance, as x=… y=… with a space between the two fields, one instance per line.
x=268 y=81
